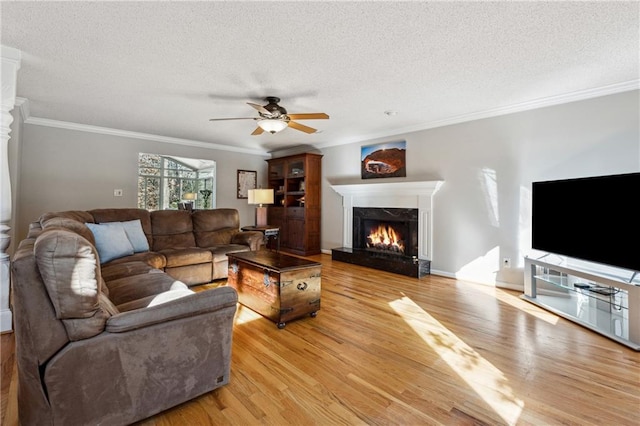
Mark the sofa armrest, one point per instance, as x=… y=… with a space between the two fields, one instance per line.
x=187 y=306
x=253 y=239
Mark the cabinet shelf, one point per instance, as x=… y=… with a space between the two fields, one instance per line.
x=606 y=305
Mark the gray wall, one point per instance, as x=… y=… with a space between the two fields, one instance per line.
x=64 y=169
x=482 y=211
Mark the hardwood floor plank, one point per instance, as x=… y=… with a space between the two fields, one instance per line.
x=386 y=349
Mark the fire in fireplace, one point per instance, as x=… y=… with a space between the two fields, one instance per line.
x=385 y=238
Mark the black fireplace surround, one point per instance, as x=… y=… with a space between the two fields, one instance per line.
x=401 y=258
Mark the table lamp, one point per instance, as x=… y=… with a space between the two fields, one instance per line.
x=261 y=197
x=189 y=197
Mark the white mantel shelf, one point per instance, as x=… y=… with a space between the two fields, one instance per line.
x=411 y=195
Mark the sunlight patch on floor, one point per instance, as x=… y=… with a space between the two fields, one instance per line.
x=245 y=315
x=486 y=380
x=520 y=304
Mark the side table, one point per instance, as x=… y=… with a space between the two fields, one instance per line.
x=270 y=232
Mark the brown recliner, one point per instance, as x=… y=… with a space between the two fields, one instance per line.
x=85 y=360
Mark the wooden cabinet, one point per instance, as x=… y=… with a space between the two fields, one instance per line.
x=296 y=181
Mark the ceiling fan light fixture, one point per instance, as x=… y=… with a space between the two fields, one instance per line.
x=272 y=125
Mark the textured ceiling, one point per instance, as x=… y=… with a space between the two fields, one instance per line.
x=165 y=68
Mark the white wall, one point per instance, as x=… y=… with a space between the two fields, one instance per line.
x=64 y=169
x=482 y=211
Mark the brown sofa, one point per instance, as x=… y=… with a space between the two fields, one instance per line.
x=115 y=342
x=189 y=246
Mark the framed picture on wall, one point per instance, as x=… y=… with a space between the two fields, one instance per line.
x=384 y=160
x=247 y=179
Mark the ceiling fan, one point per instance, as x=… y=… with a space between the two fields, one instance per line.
x=273 y=118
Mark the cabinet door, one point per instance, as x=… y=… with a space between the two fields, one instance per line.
x=276 y=169
x=295 y=233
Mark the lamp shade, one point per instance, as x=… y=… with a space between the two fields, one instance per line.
x=272 y=125
x=189 y=196
x=260 y=196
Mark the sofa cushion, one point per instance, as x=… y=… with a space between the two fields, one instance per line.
x=68 y=265
x=200 y=273
x=186 y=256
x=124 y=215
x=151 y=258
x=211 y=220
x=111 y=240
x=220 y=252
x=172 y=229
x=214 y=238
x=123 y=291
x=113 y=271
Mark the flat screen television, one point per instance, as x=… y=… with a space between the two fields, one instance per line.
x=594 y=219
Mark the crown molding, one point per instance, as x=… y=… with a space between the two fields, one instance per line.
x=12 y=55
x=23 y=103
x=566 y=98
x=579 y=95
x=23 y=106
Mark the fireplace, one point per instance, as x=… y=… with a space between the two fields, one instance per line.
x=386 y=239
x=402 y=211
x=389 y=231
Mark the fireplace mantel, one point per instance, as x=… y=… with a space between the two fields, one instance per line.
x=412 y=195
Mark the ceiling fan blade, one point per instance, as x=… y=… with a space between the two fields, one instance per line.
x=310 y=116
x=257 y=131
x=301 y=127
x=260 y=108
x=235 y=118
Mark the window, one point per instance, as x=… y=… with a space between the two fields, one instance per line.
x=163 y=181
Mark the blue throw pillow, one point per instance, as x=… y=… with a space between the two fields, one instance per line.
x=133 y=229
x=111 y=240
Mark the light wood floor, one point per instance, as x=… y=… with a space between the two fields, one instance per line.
x=386 y=349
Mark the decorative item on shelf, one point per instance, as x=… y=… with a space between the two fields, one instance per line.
x=302 y=186
x=296 y=171
x=301 y=201
x=188 y=200
x=260 y=197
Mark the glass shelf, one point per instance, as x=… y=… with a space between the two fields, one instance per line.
x=609 y=306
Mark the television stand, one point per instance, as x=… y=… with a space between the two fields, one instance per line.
x=604 y=304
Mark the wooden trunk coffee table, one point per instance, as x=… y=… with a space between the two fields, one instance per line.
x=275 y=285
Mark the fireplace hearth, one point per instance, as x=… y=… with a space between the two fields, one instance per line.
x=385 y=239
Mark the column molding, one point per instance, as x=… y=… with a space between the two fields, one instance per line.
x=11 y=59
